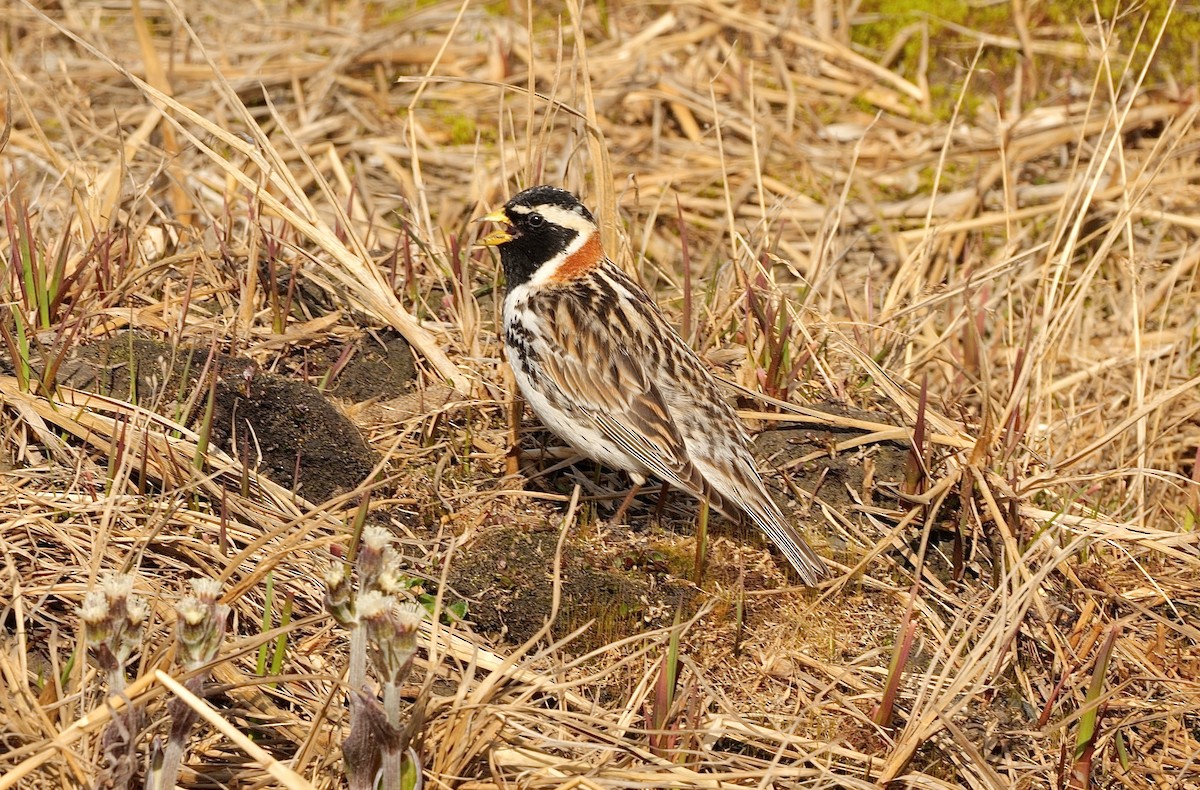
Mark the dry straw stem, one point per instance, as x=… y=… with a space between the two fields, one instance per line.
x=167 y=456
x=278 y=771
x=351 y=269
x=138 y=692
x=1034 y=260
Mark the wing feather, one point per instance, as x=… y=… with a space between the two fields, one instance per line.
x=625 y=407
x=683 y=434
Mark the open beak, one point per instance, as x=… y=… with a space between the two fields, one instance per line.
x=498 y=237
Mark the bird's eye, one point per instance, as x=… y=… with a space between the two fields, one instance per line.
x=535 y=220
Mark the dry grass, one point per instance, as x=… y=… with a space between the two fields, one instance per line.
x=1025 y=250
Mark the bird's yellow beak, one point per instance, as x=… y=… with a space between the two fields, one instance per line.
x=498 y=237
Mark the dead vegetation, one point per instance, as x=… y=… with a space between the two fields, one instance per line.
x=974 y=249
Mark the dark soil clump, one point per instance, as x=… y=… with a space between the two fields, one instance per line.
x=508 y=577
x=286 y=429
x=840 y=478
x=301 y=440
x=381 y=367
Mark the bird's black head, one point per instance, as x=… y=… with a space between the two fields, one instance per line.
x=545 y=226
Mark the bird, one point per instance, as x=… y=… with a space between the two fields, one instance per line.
x=604 y=370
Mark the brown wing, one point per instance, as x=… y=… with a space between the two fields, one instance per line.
x=607 y=368
x=628 y=410
x=596 y=371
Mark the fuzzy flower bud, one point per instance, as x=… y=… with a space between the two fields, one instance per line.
x=391 y=634
x=339 y=597
x=113 y=618
x=207 y=590
x=94 y=614
x=375 y=540
x=200 y=624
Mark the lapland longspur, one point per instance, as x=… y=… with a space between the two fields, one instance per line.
x=602 y=368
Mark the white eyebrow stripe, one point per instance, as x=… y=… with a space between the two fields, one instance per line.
x=563 y=217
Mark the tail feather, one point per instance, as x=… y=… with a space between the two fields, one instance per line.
x=762 y=511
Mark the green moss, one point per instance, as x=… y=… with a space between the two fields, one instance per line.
x=1175 y=56
x=546 y=18
x=677 y=557
x=459 y=127
x=884 y=23
x=955 y=174
x=392 y=14
x=462 y=130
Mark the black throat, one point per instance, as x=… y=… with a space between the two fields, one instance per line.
x=518 y=266
x=531 y=248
